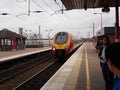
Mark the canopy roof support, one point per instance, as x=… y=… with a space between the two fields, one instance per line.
x=117 y=22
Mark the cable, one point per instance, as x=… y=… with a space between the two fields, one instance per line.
x=39 y=6
x=47 y=11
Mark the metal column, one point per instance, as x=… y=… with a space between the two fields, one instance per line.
x=117 y=22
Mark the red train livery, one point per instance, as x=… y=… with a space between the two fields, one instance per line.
x=62 y=44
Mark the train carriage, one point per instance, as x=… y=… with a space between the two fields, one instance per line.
x=62 y=44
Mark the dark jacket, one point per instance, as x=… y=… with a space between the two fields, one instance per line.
x=100 y=52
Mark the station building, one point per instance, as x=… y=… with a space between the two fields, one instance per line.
x=108 y=31
x=11 y=41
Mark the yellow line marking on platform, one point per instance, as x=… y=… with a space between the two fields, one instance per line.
x=87 y=70
x=72 y=79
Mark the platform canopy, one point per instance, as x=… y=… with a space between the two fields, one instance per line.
x=7 y=34
x=85 y=4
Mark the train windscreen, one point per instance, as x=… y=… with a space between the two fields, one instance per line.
x=61 y=38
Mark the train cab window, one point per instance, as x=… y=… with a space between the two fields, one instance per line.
x=61 y=38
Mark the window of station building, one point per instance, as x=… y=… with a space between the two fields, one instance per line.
x=61 y=38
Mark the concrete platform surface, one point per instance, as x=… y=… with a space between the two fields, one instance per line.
x=80 y=72
x=7 y=55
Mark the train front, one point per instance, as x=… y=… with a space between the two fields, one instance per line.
x=62 y=44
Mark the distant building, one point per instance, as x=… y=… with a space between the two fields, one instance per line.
x=11 y=41
x=21 y=31
x=108 y=31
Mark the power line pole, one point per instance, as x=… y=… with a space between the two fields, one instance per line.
x=39 y=35
x=117 y=39
x=93 y=29
x=28 y=7
x=48 y=35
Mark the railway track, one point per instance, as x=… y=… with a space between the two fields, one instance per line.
x=10 y=78
x=38 y=80
x=31 y=74
x=14 y=71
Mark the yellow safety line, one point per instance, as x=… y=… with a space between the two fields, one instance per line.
x=72 y=79
x=87 y=71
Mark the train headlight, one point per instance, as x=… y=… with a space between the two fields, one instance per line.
x=67 y=48
x=53 y=48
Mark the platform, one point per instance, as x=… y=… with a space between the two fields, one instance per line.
x=8 y=55
x=82 y=71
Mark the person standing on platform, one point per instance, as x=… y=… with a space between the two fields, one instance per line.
x=112 y=54
x=107 y=74
x=99 y=44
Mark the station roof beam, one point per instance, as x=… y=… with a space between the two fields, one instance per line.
x=85 y=4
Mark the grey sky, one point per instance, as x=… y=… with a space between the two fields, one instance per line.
x=74 y=21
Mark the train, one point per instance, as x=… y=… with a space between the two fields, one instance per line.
x=62 y=44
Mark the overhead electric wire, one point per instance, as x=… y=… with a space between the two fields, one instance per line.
x=44 y=10
x=40 y=6
x=58 y=19
x=65 y=15
x=36 y=23
x=35 y=19
x=68 y=21
x=48 y=12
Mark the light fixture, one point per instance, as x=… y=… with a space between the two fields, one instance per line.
x=106 y=9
